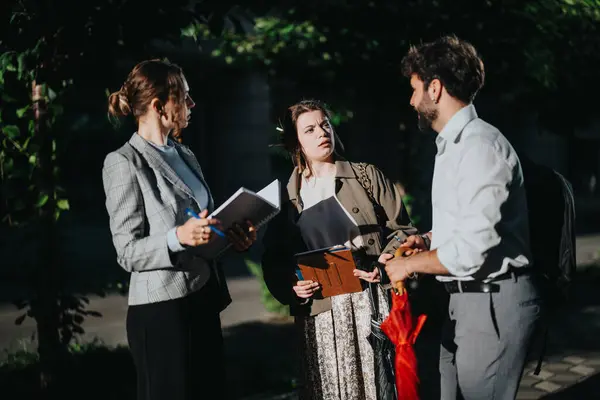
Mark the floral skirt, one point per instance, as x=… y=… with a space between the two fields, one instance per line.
x=337 y=361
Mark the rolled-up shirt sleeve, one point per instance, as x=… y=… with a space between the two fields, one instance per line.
x=483 y=177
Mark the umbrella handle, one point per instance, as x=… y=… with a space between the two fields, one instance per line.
x=402 y=251
x=399 y=288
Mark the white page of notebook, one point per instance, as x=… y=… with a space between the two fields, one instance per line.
x=271 y=193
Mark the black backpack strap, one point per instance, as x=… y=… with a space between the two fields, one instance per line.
x=567 y=263
x=567 y=256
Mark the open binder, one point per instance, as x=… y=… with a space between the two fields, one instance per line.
x=244 y=204
x=332 y=267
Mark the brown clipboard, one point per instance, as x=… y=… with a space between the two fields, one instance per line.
x=332 y=267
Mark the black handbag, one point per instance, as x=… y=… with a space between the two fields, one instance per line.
x=383 y=351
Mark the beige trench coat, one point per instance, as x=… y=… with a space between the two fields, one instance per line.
x=380 y=235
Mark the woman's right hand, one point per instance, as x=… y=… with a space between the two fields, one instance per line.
x=196 y=231
x=305 y=289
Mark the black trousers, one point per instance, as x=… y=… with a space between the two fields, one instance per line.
x=177 y=348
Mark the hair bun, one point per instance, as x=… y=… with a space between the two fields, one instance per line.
x=118 y=103
x=124 y=103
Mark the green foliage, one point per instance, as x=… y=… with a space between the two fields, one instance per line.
x=19 y=359
x=48 y=59
x=19 y=373
x=270 y=303
x=539 y=52
x=409 y=201
x=22 y=358
x=272 y=40
x=22 y=150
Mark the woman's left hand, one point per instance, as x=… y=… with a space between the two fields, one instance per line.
x=242 y=238
x=372 y=277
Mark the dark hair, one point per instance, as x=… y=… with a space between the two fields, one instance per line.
x=148 y=80
x=290 y=130
x=453 y=61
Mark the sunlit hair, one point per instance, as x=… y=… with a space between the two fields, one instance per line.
x=453 y=61
x=148 y=80
x=290 y=132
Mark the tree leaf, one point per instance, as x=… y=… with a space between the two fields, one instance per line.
x=12 y=131
x=63 y=204
x=21 y=111
x=51 y=93
x=21 y=67
x=43 y=199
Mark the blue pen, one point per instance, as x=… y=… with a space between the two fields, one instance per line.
x=192 y=214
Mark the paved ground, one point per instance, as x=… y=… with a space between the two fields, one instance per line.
x=261 y=356
x=110 y=328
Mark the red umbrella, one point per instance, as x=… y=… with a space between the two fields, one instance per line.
x=402 y=329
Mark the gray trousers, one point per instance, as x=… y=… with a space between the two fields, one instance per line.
x=486 y=340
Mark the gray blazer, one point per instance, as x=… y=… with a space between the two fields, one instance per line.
x=145 y=198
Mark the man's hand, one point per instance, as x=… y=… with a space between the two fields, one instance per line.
x=415 y=242
x=407 y=251
x=397 y=269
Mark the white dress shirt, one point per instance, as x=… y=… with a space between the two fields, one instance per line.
x=480 y=221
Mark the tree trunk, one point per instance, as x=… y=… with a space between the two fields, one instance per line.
x=44 y=306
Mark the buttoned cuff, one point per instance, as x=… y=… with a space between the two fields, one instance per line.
x=173 y=242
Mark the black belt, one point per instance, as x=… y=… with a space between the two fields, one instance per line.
x=479 y=286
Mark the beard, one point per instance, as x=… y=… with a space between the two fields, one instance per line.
x=426 y=116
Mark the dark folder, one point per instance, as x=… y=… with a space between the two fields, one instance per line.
x=332 y=267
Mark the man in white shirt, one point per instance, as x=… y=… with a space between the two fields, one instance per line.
x=479 y=242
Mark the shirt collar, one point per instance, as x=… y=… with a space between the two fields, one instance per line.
x=456 y=124
x=343 y=171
